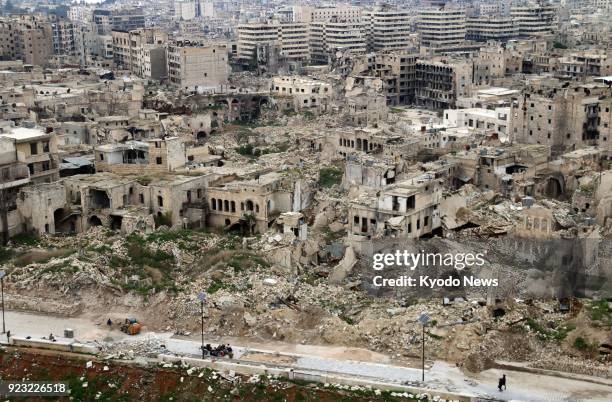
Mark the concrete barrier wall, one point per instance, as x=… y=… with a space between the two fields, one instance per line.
x=309 y=376
x=61 y=346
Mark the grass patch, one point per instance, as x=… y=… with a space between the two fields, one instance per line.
x=600 y=312
x=245 y=150
x=6 y=254
x=103 y=249
x=26 y=239
x=64 y=266
x=308 y=115
x=141 y=255
x=40 y=256
x=153 y=267
x=550 y=334
x=347 y=319
x=163 y=220
x=144 y=180
x=580 y=343
x=330 y=176
x=217 y=285
x=434 y=336
x=246 y=261
x=185 y=239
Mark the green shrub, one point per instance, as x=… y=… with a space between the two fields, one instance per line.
x=163 y=220
x=5 y=254
x=26 y=239
x=245 y=150
x=329 y=176
x=580 y=343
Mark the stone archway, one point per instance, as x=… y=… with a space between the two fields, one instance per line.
x=64 y=221
x=554 y=188
x=94 y=221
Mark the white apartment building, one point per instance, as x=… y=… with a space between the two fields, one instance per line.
x=80 y=14
x=63 y=38
x=185 y=9
x=195 y=66
x=387 y=28
x=307 y=93
x=534 y=19
x=291 y=37
x=134 y=50
x=309 y=14
x=489 y=9
x=442 y=27
x=328 y=37
x=487 y=120
x=483 y=29
x=207 y=8
x=152 y=62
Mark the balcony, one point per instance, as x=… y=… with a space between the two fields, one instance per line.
x=13 y=176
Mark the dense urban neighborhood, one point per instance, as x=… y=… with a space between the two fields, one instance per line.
x=355 y=200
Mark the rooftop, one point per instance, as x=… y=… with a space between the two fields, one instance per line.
x=25 y=134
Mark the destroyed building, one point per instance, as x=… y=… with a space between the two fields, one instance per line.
x=407 y=209
x=509 y=170
x=563 y=116
x=37 y=149
x=141 y=157
x=117 y=202
x=250 y=206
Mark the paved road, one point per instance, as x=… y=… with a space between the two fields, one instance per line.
x=521 y=386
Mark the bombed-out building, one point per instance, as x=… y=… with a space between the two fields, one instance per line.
x=409 y=208
x=124 y=203
x=249 y=205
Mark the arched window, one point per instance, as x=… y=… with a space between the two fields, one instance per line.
x=226 y=205
x=213 y=203
x=233 y=206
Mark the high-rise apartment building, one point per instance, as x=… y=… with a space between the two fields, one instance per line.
x=185 y=9
x=534 y=19
x=317 y=14
x=563 y=117
x=441 y=27
x=483 y=29
x=192 y=66
x=26 y=38
x=328 y=37
x=63 y=38
x=387 y=28
x=135 y=50
x=292 y=38
x=441 y=81
x=126 y=19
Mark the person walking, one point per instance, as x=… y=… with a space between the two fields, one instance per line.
x=503 y=379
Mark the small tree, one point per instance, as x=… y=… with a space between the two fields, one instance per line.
x=249 y=218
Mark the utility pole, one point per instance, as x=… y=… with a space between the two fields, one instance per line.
x=202 y=298
x=423 y=357
x=2 y=275
x=423 y=319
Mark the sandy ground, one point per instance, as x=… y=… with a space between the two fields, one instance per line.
x=348 y=361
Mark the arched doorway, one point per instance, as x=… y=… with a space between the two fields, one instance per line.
x=94 y=221
x=554 y=189
x=116 y=222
